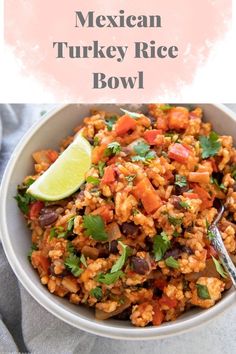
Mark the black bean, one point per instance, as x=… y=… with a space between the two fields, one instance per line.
x=125 y=315
x=48 y=219
x=113 y=247
x=180 y=190
x=103 y=250
x=176 y=202
x=152 y=121
x=157 y=292
x=174 y=252
x=129 y=229
x=139 y=265
x=149 y=243
x=187 y=250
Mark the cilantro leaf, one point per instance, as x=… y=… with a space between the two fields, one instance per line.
x=143 y=152
x=161 y=244
x=113 y=149
x=94 y=180
x=174 y=221
x=184 y=205
x=109 y=278
x=171 y=262
x=101 y=166
x=210 y=145
x=210 y=234
x=180 y=181
x=83 y=260
x=219 y=186
x=33 y=248
x=94 y=226
x=70 y=248
x=219 y=268
x=233 y=171
x=23 y=201
x=110 y=122
x=202 y=291
x=70 y=224
x=141 y=148
x=122 y=259
x=165 y=107
x=96 y=292
x=73 y=264
x=57 y=231
x=131 y=114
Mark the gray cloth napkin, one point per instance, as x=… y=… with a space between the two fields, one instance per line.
x=26 y=327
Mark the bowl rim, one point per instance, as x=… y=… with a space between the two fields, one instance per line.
x=94 y=327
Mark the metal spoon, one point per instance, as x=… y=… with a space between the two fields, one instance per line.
x=220 y=247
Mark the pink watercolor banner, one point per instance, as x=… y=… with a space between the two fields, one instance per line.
x=31 y=27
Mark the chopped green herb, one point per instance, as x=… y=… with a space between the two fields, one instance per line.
x=141 y=148
x=161 y=244
x=174 y=221
x=165 y=107
x=219 y=268
x=113 y=149
x=23 y=201
x=101 y=166
x=70 y=248
x=171 y=262
x=180 y=181
x=96 y=292
x=131 y=114
x=233 y=171
x=202 y=291
x=73 y=264
x=94 y=180
x=95 y=141
x=176 y=234
x=143 y=152
x=33 y=248
x=57 y=231
x=94 y=226
x=220 y=186
x=210 y=145
x=122 y=259
x=109 y=278
x=130 y=179
x=29 y=182
x=70 y=225
x=110 y=122
x=135 y=211
x=184 y=205
x=210 y=234
x=83 y=260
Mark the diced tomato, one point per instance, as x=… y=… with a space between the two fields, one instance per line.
x=160 y=283
x=40 y=262
x=214 y=165
x=190 y=195
x=113 y=160
x=199 y=177
x=179 y=153
x=166 y=300
x=124 y=124
x=34 y=209
x=162 y=123
x=178 y=118
x=158 y=315
x=207 y=200
x=109 y=175
x=53 y=155
x=211 y=252
x=150 y=135
x=148 y=195
x=105 y=212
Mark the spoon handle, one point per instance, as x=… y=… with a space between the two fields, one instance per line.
x=223 y=254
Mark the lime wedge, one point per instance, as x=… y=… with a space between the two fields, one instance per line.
x=66 y=174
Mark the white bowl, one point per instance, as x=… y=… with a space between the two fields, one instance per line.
x=16 y=239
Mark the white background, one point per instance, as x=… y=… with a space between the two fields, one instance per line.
x=214 y=82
